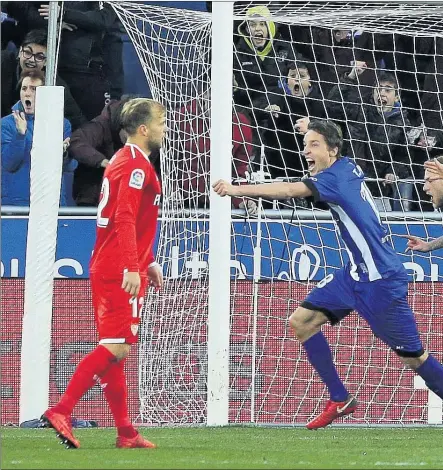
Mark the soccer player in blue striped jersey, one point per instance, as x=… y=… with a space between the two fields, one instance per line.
x=374 y=282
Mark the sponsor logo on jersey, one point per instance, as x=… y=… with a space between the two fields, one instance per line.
x=247 y=63
x=137 y=178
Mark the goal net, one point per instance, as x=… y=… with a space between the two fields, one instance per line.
x=374 y=68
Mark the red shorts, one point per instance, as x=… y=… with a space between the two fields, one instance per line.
x=117 y=314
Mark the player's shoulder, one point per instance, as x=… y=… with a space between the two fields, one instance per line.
x=131 y=156
x=344 y=168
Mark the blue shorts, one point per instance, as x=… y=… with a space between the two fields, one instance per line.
x=382 y=303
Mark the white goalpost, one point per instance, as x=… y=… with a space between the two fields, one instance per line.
x=45 y=177
x=215 y=344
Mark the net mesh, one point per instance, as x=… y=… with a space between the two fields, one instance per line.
x=73 y=312
x=287 y=392
x=374 y=68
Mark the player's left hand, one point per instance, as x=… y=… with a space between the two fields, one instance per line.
x=155 y=276
x=223 y=188
x=434 y=167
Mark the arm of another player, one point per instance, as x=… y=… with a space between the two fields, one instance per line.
x=269 y=191
x=417 y=244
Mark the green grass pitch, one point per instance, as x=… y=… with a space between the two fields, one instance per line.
x=230 y=447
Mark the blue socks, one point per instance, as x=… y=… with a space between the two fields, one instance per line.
x=320 y=356
x=431 y=371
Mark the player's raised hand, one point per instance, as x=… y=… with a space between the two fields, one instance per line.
x=20 y=121
x=416 y=244
x=155 y=275
x=434 y=167
x=223 y=188
x=131 y=283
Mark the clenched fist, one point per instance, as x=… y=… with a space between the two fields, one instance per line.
x=223 y=188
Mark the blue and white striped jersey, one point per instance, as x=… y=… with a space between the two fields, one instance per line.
x=342 y=188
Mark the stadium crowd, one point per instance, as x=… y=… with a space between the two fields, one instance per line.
x=382 y=89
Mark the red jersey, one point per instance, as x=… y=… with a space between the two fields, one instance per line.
x=126 y=215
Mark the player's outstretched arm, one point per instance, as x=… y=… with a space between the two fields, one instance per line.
x=417 y=244
x=269 y=191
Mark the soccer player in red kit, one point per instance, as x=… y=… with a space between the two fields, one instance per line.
x=122 y=265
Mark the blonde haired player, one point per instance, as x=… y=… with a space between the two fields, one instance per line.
x=121 y=266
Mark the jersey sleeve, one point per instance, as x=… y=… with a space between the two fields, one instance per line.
x=324 y=187
x=134 y=180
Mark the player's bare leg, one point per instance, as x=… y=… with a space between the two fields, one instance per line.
x=114 y=387
x=306 y=325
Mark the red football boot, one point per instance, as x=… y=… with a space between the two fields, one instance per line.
x=63 y=427
x=137 y=442
x=332 y=411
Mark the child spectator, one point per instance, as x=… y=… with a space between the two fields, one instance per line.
x=300 y=99
x=32 y=56
x=377 y=127
x=17 y=135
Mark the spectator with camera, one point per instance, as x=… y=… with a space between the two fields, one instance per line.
x=336 y=51
x=17 y=133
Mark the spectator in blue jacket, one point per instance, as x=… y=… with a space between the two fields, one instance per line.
x=17 y=133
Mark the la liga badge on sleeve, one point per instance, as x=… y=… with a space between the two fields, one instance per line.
x=137 y=178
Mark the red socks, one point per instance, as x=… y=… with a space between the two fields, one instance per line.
x=91 y=367
x=100 y=365
x=114 y=387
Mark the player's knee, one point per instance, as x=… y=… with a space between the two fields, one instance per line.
x=414 y=362
x=306 y=323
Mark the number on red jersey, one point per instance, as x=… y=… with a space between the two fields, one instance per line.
x=106 y=189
